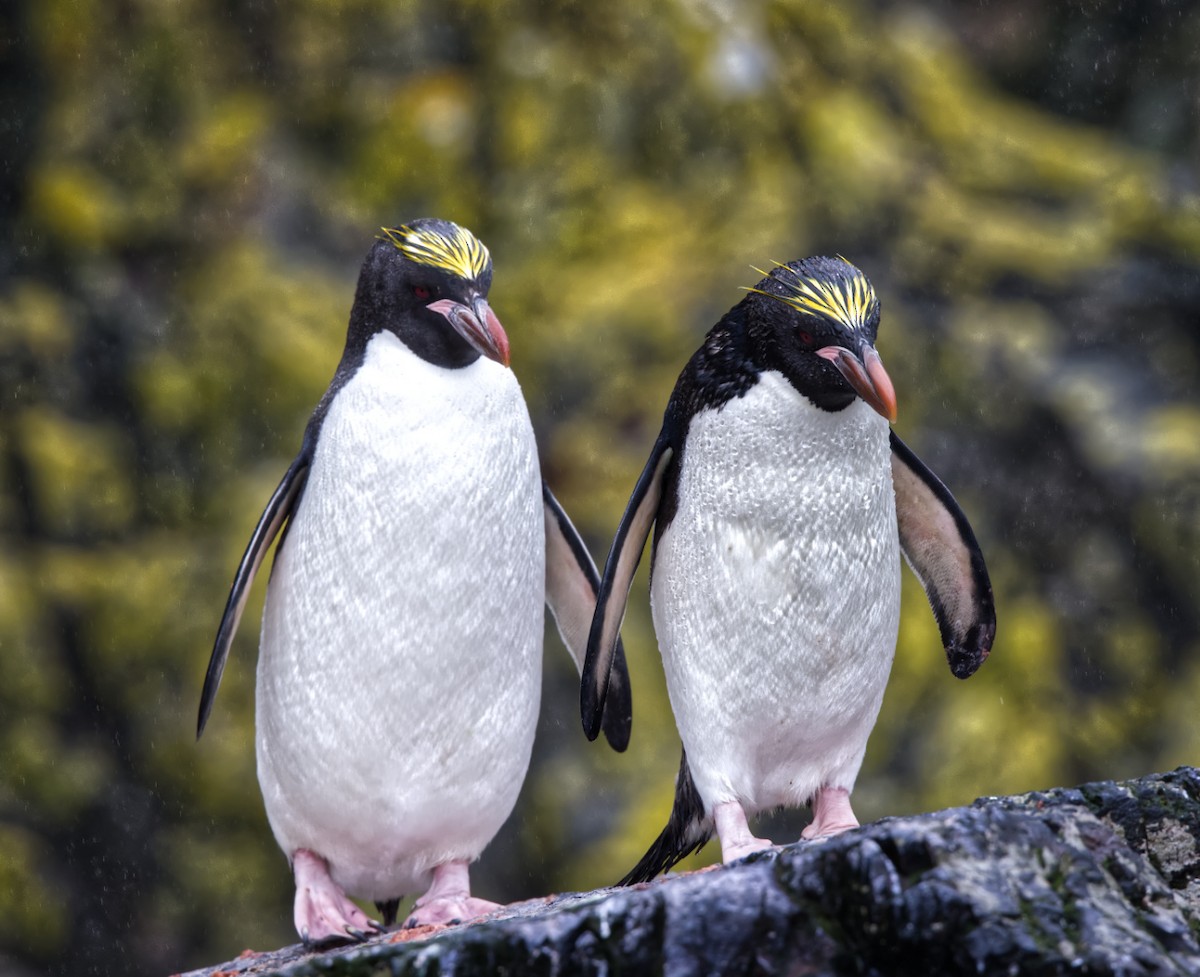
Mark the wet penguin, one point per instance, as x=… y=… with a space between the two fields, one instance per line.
x=781 y=503
x=399 y=669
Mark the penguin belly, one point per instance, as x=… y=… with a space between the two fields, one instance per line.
x=776 y=594
x=399 y=673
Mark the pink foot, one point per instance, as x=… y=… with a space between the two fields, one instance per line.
x=736 y=839
x=831 y=814
x=322 y=912
x=449 y=899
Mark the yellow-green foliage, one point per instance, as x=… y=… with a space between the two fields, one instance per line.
x=196 y=184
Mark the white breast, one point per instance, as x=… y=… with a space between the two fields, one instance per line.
x=776 y=594
x=399 y=671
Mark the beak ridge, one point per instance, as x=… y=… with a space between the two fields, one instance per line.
x=867 y=376
x=477 y=324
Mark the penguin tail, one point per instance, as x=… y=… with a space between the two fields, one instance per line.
x=688 y=830
x=388 y=909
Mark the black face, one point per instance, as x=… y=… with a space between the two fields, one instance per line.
x=433 y=298
x=815 y=321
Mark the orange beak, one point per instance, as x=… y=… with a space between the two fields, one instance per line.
x=867 y=376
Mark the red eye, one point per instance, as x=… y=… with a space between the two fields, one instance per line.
x=421 y=292
x=806 y=338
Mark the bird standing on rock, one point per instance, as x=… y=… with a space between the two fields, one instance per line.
x=781 y=503
x=399 y=670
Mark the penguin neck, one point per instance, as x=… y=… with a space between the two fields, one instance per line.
x=724 y=367
x=820 y=394
x=435 y=343
x=436 y=351
x=809 y=375
x=428 y=335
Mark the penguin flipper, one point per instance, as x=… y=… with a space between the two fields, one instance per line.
x=572 y=582
x=282 y=504
x=688 y=830
x=940 y=547
x=623 y=559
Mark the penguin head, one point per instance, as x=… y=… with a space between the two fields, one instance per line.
x=427 y=281
x=816 y=321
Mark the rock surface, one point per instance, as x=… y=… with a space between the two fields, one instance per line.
x=1101 y=879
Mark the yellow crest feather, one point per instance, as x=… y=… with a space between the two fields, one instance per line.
x=459 y=252
x=849 y=301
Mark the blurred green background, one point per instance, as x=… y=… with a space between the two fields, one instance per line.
x=188 y=188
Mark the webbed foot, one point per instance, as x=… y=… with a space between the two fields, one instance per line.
x=832 y=814
x=732 y=828
x=449 y=899
x=322 y=912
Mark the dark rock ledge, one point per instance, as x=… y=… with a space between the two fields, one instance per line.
x=1101 y=879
